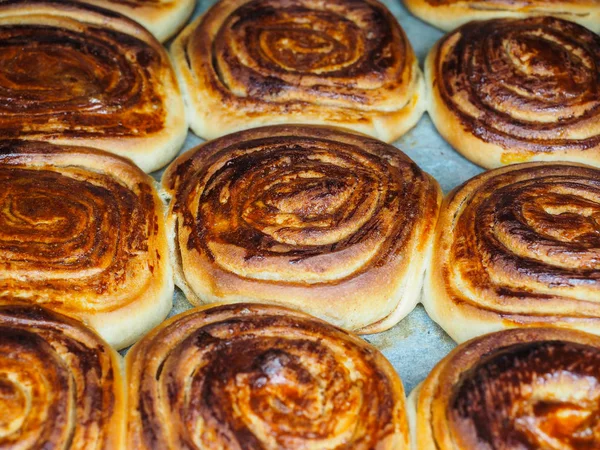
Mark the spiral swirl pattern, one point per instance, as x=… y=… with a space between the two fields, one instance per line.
x=81 y=231
x=251 y=376
x=519 y=246
x=517 y=389
x=303 y=215
x=528 y=88
x=262 y=62
x=60 y=384
x=73 y=72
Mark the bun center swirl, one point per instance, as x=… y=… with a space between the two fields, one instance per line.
x=70 y=235
x=540 y=395
x=530 y=233
x=323 y=208
x=59 y=383
x=350 y=54
x=324 y=46
x=233 y=377
x=528 y=84
x=59 y=75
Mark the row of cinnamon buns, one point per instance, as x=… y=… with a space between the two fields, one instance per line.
x=249 y=376
x=517 y=89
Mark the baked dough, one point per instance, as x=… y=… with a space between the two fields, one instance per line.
x=82 y=232
x=508 y=91
x=245 y=64
x=335 y=224
x=72 y=73
x=535 y=388
x=163 y=18
x=256 y=376
x=60 y=384
x=451 y=14
x=518 y=247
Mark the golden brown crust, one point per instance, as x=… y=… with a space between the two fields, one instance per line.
x=506 y=91
x=247 y=63
x=256 y=376
x=163 y=18
x=76 y=74
x=518 y=247
x=334 y=224
x=60 y=384
x=82 y=232
x=517 y=389
x=451 y=14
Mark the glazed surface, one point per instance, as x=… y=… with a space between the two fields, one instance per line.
x=251 y=376
x=297 y=198
x=529 y=85
x=513 y=398
x=520 y=389
x=71 y=75
x=60 y=385
x=346 y=54
x=73 y=235
x=523 y=242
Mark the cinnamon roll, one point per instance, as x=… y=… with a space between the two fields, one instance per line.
x=76 y=74
x=163 y=18
x=506 y=91
x=82 y=232
x=334 y=224
x=451 y=14
x=533 y=388
x=247 y=63
x=518 y=247
x=250 y=376
x=60 y=384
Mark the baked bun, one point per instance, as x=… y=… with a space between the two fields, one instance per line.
x=535 y=388
x=518 y=247
x=60 y=384
x=331 y=223
x=451 y=14
x=82 y=232
x=75 y=74
x=163 y=18
x=247 y=63
x=255 y=376
x=506 y=91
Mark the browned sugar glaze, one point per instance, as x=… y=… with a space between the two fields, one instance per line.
x=528 y=396
x=70 y=236
x=532 y=84
x=530 y=233
x=59 y=387
x=59 y=77
x=349 y=54
x=300 y=198
x=252 y=377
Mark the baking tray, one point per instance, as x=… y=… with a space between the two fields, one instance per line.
x=416 y=344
